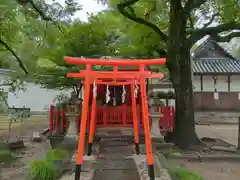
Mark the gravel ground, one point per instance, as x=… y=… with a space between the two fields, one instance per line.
x=143 y=171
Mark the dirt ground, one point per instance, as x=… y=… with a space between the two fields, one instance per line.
x=226 y=132
x=18 y=169
x=218 y=170
x=18 y=127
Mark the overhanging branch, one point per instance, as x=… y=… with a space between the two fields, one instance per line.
x=43 y=15
x=15 y=55
x=226 y=38
x=40 y=12
x=198 y=34
x=121 y=8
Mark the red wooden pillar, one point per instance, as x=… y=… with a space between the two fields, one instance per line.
x=62 y=119
x=92 y=122
x=135 y=120
x=81 y=139
x=51 y=118
x=56 y=119
x=145 y=113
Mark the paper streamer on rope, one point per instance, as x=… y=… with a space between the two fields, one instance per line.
x=108 y=98
x=94 y=89
x=136 y=89
x=123 y=94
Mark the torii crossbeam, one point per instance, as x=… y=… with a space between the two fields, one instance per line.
x=129 y=77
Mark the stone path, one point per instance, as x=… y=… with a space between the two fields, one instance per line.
x=115 y=164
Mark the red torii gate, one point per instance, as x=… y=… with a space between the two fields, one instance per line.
x=94 y=77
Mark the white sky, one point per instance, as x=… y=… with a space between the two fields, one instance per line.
x=90 y=6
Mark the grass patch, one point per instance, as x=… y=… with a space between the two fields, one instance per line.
x=177 y=173
x=50 y=167
x=42 y=170
x=56 y=155
x=184 y=174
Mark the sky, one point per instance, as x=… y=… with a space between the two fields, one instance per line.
x=90 y=6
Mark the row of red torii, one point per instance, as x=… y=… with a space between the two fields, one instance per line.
x=132 y=78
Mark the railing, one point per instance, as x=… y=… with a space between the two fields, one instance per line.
x=57 y=120
x=167 y=119
x=118 y=116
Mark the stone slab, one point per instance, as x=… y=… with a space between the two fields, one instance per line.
x=116 y=175
x=124 y=164
x=118 y=150
x=114 y=143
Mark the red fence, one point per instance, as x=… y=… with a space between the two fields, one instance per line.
x=167 y=119
x=119 y=116
x=57 y=119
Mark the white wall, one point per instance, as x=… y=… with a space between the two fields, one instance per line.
x=34 y=97
x=235 y=83
x=196 y=83
x=221 y=83
x=208 y=84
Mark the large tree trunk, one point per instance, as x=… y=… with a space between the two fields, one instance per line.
x=178 y=54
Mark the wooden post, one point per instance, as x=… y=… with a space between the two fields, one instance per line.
x=145 y=117
x=135 y=120
x=238 y=146
x=51 y=118
x=92 y=122
x=84 y=116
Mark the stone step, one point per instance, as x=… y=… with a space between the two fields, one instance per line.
x=116 y=164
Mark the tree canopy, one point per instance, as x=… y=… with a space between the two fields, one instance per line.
x=180 y=24
x=35 y=35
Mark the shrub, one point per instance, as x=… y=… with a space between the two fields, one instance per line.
x=49 y=168
x=184 y=174
x=56 y=155
x=42 y=170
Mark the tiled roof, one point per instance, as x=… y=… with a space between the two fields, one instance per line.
x=216 y=65
x=209 y=40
